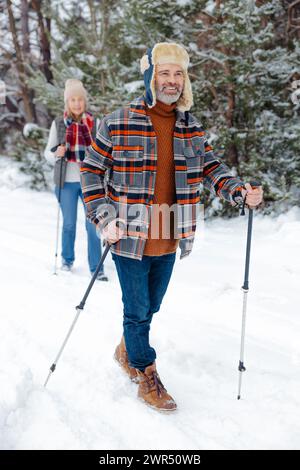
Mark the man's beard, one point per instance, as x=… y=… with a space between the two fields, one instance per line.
x=165 y=97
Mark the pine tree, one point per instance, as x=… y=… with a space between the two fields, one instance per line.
x=244 y=59
x=247 y=98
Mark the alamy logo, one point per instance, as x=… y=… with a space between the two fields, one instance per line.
x=2 y=92
x=295 y=96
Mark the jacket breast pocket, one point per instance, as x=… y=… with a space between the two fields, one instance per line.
x=128 y=165
x=194 y=165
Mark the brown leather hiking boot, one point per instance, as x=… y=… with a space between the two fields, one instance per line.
x=152 y=391
x=121 y=357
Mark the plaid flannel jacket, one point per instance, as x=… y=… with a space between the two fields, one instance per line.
x=119 y=170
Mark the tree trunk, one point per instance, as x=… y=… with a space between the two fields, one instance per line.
x=229 y=115
x=44 y=39
x=26 y=51
x=232 y=153
x=93 y=21
x=29 y=109
x=25 y=27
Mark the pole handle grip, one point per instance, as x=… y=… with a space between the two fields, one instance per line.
x=53 y=149
x=255 y=184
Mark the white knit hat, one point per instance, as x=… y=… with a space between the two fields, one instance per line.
x=74 y=87
x=166 y=53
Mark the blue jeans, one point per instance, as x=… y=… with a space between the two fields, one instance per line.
x=68 y=202
x=143 y=284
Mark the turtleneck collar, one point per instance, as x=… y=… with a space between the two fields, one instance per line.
x=162 y=109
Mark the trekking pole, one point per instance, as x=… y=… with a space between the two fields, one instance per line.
x=58 y=212
x=245 y=288
x=79 y=309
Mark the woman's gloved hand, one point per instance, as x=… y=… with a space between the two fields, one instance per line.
x=60 y=151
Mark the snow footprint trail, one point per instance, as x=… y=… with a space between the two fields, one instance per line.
x=37 y=417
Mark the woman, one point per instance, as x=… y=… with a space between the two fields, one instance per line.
x=69 y=136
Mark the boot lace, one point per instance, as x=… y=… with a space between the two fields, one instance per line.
x=154 y=381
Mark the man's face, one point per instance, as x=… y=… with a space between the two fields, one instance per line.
x=169 y=82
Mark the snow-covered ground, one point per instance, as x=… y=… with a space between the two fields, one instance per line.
x=89 y=403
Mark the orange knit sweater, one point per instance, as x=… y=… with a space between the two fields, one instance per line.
x=163 y=118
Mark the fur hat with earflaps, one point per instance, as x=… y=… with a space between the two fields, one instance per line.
x=166 y=53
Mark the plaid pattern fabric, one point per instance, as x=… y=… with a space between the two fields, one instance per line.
x=78 y=136
x=119 y=169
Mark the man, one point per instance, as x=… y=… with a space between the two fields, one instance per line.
x=152 y=154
